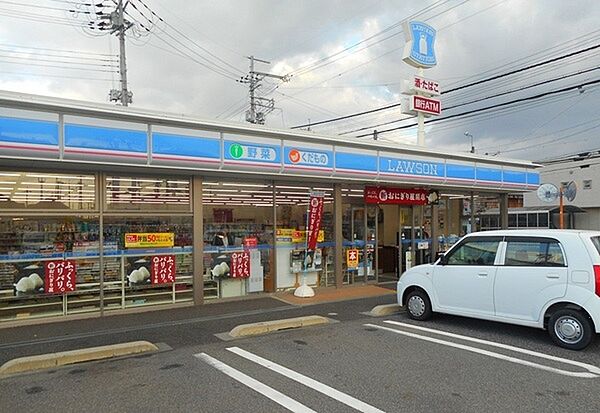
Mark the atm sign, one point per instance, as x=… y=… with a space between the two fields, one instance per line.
x=425 y=105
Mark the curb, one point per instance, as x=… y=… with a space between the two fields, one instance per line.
x=385 y=310
x=45 y=361
x=244 y=330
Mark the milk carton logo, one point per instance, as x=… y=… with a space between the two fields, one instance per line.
x=419 y=49
x=297 y=156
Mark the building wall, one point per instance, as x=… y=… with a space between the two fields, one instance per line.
x=576 y=171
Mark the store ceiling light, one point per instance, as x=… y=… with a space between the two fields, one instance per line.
x=85 y=178
x=292 y=187
x=293 y=193
x=50 y=184
x=7 y=183
x=9 y=174
x=250 y=191
x=246 y=185
x=112 y=178
x=179 y=182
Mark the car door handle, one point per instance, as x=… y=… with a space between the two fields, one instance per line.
x=482 y=274
x=554 y=276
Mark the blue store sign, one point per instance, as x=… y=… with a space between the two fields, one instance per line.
x=419 y=50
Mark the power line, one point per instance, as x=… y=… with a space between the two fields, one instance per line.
x=475 y=83
x=538 y=96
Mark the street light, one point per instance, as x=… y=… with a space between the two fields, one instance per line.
x=472 y=203
x=471 y=136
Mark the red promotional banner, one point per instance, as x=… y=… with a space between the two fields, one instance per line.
x=315 y=213
x=163 y=269
x=240 y=264
x=250 y=242
x=398 y=196
x=61 y=276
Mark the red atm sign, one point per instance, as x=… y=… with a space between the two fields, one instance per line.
x=425 y=105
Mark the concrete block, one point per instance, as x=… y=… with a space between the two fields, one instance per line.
x=385 y=310
x=44 y=361
x=252 y=329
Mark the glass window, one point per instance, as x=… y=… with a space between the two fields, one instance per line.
x=522 y=220
x=532 y=221
x=148 y=193
x=30 y=250
x=596 y=242
x=512 y=220
x=295 y=260
x=148 y=260
x=534 y=253
x=543 y=220
x=476 y=252
x=238 y=238
x=35 y=191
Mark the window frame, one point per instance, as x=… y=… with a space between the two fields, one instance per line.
x=455 y=248
x=533 y=239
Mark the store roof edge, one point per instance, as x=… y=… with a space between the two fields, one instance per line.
x=85 y=108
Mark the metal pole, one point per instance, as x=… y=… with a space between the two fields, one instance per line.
x=421 y=121
x=122 y=61
x=561 y=209
x=473 y=229
x=252 y=87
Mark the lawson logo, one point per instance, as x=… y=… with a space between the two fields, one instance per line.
x=297 y=156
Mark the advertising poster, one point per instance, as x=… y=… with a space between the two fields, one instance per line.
x=150 y=240
x=396 y=196
x=240 y=264
x=61 y=276
x=352 y=258
x=163 y=269
x=315 y=213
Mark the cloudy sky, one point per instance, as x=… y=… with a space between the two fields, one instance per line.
x=342 y=57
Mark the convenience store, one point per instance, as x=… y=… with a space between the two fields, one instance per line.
x=104 y=209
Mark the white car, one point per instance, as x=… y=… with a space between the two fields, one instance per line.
x=548 y=279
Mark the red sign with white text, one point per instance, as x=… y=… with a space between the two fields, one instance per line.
x=250 y=242
x=398 y=196
x=240 y=264
x=163 y=269
x=315 y=213
x=61 y=276
x=425 y=105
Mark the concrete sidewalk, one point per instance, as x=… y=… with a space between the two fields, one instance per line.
x=332 y=294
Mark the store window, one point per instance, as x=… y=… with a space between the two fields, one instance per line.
x=358 y=231
x=148 y=194
x=46 y=191
x=48 y=266
x=297 y=260
x=147 y=260
x=238 y=238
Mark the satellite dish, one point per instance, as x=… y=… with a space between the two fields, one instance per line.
x=570 y=191
x=548 y=192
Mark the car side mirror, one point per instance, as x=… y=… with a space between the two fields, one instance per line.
x=443 y=259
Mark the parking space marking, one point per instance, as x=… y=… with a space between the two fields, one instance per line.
x=307 y=381
x=271 y=393
x=589 y=367
x=488 y=353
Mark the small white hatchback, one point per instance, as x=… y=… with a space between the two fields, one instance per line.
x=548 y=279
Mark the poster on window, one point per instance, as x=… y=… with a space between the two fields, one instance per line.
x=163 y=269
x=315 y=213
x=240 y=264
x=60 y=276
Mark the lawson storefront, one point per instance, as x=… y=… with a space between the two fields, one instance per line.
x=104 y=209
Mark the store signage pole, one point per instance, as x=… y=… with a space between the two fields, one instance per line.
x=420 y=121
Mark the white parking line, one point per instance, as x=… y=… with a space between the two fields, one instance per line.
x=591 y=368
x=271 y=393
x=593 y=371
x=307 y=381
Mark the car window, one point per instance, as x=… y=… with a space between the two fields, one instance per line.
x=534 y=253
x=596 y=242
x=480 y=252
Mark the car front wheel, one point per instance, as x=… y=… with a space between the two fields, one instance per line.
x=571 y=329
x=418 y=305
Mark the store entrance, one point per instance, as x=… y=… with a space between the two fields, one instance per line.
x=402 y=240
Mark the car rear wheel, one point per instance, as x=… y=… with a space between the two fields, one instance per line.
x=570 y=329
x=418 y=305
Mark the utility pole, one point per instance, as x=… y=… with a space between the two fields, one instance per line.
x=120 y=26
x=259 y=106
